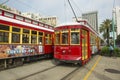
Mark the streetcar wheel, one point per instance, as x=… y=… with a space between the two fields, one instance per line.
x=56 y=62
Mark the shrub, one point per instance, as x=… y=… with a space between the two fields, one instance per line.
x=116 y=52
x=106 y=52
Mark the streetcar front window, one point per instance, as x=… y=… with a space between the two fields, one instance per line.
x=65 y=37
x=75 y=36
x=57 y=38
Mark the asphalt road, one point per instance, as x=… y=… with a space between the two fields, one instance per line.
x=98 y=68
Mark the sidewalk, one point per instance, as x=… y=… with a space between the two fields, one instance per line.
x=108 y=68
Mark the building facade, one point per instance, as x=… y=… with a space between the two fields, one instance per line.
x=116 y=16
x=92 y=18
x=52 y=20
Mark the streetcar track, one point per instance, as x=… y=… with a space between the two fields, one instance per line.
x=36 y=73
x=69 y=75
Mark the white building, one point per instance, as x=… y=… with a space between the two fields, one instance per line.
x=116 y=15
x=92 y=18
x=51 y=20
x=32 y=15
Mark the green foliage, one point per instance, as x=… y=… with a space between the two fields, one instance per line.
x=105 y=28
x=118 y=40
x=106 y=52
x=117 y=52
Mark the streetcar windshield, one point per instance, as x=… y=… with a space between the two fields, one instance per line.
x=61 y=37
x=57 y=38
x=75 y=36
x=64 y=37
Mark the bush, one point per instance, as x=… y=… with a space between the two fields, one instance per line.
x=106 y=52
x=116 y=52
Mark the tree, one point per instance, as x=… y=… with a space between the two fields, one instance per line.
x=105 y=28
x=118 y=40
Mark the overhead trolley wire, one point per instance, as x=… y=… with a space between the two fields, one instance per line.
x=4 y=2
x=29 y=6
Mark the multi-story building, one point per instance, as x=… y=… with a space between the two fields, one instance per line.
x=10 y=9
x=35 y=16
x=92 y=18
x=52 y=20
x=116 y=17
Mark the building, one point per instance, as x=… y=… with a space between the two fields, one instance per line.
x=10 y=9
x=92 y=18
x=52 y=20
x=35 y=16
x=78 y=18
x=116 y=16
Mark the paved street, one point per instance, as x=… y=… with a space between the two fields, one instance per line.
x=99 y=68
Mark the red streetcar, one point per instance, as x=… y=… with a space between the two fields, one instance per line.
x=75 y=42
x=23 y=39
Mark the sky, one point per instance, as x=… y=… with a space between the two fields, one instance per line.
x=61 y=9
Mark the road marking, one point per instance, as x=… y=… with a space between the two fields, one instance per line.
x=93 y=67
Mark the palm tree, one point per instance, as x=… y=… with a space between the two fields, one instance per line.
x=105 y=28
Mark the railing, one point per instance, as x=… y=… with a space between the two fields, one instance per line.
x=19 y=17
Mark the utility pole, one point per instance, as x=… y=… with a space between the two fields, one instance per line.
x=113 y=23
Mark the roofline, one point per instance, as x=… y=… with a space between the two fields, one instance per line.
x=24 y=23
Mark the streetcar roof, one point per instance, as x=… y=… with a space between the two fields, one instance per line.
x=24 y=23
x=77 y=23
x=68 y=24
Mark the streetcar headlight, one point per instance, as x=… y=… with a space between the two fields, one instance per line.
x=63 y=51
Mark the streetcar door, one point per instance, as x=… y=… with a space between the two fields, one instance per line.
x=84 y=45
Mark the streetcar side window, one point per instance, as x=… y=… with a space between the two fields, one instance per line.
x=48 y=38
x=25 y=36
x=15 y=35
x=40 y=38
x=57 y=38
x=75 y=36
x=34 y=37
x=4 y=34
x=64 y=37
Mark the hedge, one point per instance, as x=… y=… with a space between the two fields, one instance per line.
x=106 y=52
